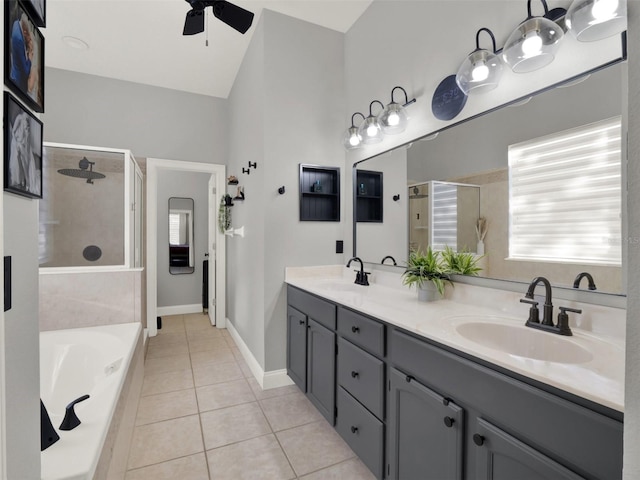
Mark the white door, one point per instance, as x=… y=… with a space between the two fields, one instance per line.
x=211 y=249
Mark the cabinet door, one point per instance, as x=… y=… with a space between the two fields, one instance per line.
x=321 y=369
x=297 y=347
x=500 y=456
x=426 y=432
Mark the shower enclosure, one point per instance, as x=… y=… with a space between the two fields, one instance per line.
x=91 y=210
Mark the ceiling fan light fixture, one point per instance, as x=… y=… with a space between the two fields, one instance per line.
x=591 y=20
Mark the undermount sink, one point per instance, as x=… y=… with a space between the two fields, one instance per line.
x=521 y=341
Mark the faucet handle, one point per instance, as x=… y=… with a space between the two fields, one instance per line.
x=534 y=313
x=563 y=320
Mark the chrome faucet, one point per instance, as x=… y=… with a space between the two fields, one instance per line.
x=361 y=276
x=562 y=327
x=576 y=282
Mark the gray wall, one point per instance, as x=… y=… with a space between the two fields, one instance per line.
x=288 y=100
x=150 y=121
x=22 y=341
x=175 y=290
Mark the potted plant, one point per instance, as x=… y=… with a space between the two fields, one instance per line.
x=428 y=272
x=461 y=263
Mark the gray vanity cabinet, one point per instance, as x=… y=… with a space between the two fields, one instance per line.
x=425 y=432
x=297 y=347
x=500 y=456
x=311 y=348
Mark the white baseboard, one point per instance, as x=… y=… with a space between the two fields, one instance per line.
x=266 y=380
x=179 y=309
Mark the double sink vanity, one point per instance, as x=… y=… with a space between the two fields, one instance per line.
x=460 y=387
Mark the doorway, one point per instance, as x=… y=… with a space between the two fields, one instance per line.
x=216 y=241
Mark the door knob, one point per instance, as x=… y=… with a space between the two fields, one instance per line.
x=355 y=329
x=448 y=421
x=354 y=429
x=478 y=439
x=354 y=374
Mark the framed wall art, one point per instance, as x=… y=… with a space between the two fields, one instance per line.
x=38 y=11
x=23 y=56
x=22 y=149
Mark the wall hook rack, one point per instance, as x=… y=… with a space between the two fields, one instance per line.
x=253 y=165
x=247 y=171
x=281 y=190
x=396 y=198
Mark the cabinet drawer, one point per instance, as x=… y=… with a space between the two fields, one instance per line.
x=581 y=439
x=321 y=311
x=362 y=375
x=362 y=431
x=361 y=330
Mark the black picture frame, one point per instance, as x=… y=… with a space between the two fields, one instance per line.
x=23 y=149
x=23 y=71
x=38 y=11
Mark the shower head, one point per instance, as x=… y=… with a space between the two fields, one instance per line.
x=85 y=171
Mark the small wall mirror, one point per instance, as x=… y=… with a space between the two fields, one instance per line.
x=181 y=257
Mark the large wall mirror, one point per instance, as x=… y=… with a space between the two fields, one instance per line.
x=477 y=153
x=181 y=254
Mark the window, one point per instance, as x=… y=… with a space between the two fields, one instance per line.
x=565 y=196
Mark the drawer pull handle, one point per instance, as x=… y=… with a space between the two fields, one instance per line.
x=408 y=378
x=354 y=429
x=355 y=329
x=478 y=439
x=448 y=421
x=354 y=374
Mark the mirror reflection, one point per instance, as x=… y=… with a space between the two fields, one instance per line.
x=181 y=256
x=477 y=152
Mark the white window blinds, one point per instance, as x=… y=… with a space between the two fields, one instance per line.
x=565 y=196
x=445 y=216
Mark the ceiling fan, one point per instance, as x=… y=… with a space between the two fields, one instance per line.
x=234 y=16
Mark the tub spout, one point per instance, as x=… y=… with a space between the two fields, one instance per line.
x=48 y=434
x=71 y=420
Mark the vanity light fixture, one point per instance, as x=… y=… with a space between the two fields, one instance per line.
x=481 y=70
x=533 y=44
x=394 y=119
x=590 y=20
x=352 y=139
x=370 y=130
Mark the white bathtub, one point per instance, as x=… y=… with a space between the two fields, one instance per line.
x=75 y=362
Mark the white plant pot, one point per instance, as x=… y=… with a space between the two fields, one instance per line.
x=428 y=292
x=480 y=248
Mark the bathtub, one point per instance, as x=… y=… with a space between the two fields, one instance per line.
x=79 y=361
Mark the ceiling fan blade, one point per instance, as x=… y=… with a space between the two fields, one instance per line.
x=234 y=16
x=194 y=23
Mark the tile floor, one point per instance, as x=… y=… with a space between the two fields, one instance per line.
x=203 y=416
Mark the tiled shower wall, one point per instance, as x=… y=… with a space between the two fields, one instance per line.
x=72 y=300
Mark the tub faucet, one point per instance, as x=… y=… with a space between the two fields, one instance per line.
x=389 y=257
x=361 y=276
x=71 y=420
x=48 y=434
x=576 y=282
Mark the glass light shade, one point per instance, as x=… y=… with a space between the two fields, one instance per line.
x=591 y=20
x=352 y=138
x=370 y=130
x=393 y=119
x=480 y=72
x=532 y=45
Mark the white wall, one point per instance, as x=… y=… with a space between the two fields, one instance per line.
x=632 y=387
x=150 y=121
x=184 y=289
x=22 y=347
x=287 y=105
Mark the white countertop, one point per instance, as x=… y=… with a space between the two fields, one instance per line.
x=599 y=379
